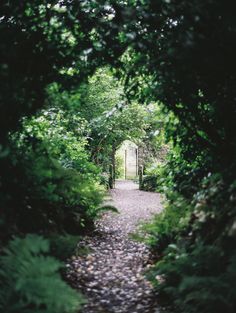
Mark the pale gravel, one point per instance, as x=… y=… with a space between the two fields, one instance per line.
x=112 y=274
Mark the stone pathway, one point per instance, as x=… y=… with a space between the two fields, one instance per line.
x=111 y=275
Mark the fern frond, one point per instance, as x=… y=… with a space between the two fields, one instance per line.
x=108 y=208
x=30 y=280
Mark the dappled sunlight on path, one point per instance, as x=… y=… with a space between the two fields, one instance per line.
x=112 y=275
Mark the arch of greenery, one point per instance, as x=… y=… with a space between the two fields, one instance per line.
x=62 y=115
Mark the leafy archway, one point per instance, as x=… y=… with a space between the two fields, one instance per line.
x=181 y=53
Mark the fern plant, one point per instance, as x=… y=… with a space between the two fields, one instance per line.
x=30 y=281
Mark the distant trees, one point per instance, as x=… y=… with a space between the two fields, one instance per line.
x=102 y=103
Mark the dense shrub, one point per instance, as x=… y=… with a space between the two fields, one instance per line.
x=168 y=226
x=194 y=239
x=154 y=177
x=197 y=279
x=59 y=187
x=149 y=183
x=63 y=246
x=56 y=190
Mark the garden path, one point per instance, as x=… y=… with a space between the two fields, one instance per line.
x=111 y=275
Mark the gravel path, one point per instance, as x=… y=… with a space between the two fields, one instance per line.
x=111 y=274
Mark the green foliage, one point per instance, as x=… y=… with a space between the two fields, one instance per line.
x=198 y=280
x=149 y=183
x=30 y=281
x=63 y=246
x=104 y=179
x=108 y=208
x=64 y=135
x=102 y=93
x=110 y=119
x=181 y=53
x=40 y=42
x=59 y=187
x=156 y=177
x=195 y=245
x=119 y=167
x=172 y=60
x=113 y=120
x=170 y=225
x=193 y=236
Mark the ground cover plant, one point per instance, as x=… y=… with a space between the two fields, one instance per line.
x=29 y=278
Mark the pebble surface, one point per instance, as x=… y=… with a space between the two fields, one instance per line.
x=111 y=275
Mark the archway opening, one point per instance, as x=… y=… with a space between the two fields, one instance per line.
x=127 y=161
